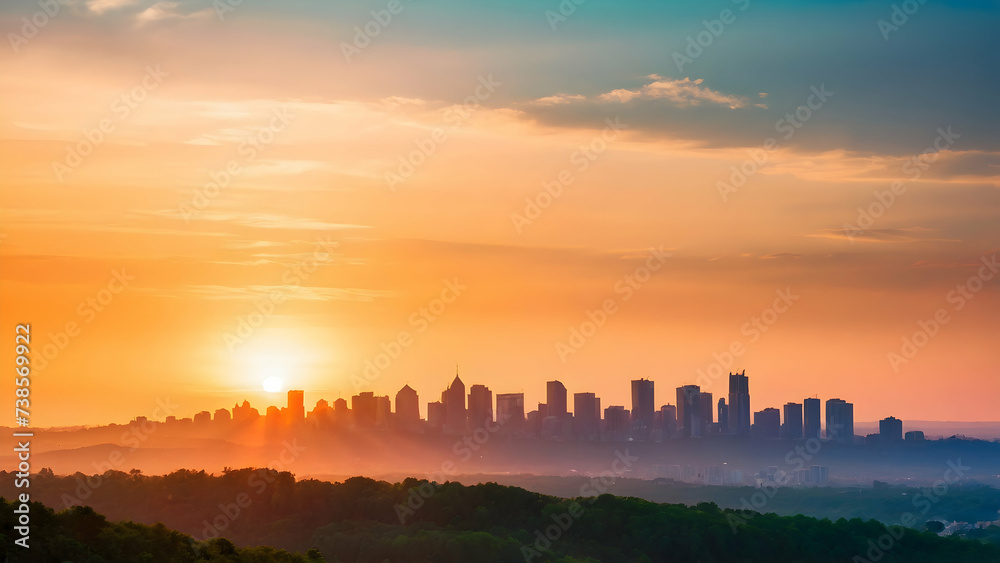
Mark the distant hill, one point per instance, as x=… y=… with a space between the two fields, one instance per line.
x=363 y=520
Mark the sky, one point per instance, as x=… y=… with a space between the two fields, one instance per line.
x=198 y=197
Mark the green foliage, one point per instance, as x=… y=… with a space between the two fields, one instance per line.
x=362 y=520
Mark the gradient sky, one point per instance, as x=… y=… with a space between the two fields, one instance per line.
x=211 y=83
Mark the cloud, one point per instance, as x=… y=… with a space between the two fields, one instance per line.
x=681 y=92
x=101 y=6
x=910 y=234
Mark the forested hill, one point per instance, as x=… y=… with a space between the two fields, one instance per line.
x=362 y=520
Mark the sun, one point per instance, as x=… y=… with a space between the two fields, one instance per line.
x=273 y=384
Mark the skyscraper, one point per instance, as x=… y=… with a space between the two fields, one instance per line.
x=840 y=421
x=364 y=407
x=480 y=406
x=453 y=399
x=616 y=423
x=407 y=408
x=707 y=411
x=586 y=416
x=669 y=416
x=768 y=422
x=723 y=413
x=296 y=407
x=642 y=408
x=739 y=404
x=555 y=398
x=688 y=417
x=792 y=428
x=890 y=430
x=510 y=412
x=810 y=410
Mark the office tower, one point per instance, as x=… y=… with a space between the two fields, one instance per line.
x=510 y=412
x=407 y=408
x=222 y=416
x=453 y=399
x=321 y=416
x=364 y=409
x=437 y=415
x=586 y=416
x=819 y=474
x=792 y=429
x=890 y=430
x=341 y=414
x=914 y=436
x=617 y=423
x=739 y=404
x=383 y=411
x=669 y=415
x=688 y=417
x=706 y=409
x=768 y=422
x=480 y=407
x=840 y=421
x=811 y=418
x=723 y=411
x=642 y=408
x=555 y=399
x=296 y=407
x=203 y=417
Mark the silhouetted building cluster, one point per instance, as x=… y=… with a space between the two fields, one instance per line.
x=695 y=415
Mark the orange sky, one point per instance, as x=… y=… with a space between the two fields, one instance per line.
x=197 y=265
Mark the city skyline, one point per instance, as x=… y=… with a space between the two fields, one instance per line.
x=456 y=413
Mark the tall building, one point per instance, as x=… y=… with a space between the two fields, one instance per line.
x=723 y=413
x=296 y=406
x=586 y=416
x=811 y=417
x=510 y=412
x=840 y=421
x=688 y=417
x=437 y=415
x=739 y=404
x=890 y=430
x=617 y=423
x=383 y=411
x=364 y=408
x=642 y=408
x=792 y=429
x=407 y=408
x=768 y=423
x=706 y=409
x=480 y=406
x=453 y=399
x=555 y=399
x=669 y=415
